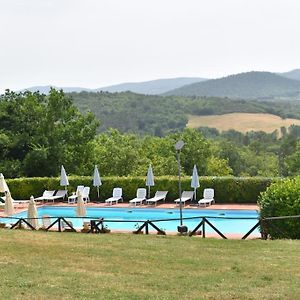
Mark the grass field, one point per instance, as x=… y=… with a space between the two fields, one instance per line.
x=242 y=122
x=45 y=265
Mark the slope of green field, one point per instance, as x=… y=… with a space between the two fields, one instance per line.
x=44 y=265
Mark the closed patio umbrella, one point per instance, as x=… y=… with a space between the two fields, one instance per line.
x=80 y=209
x=149 y=179
x=63 y=178
x=9 y=205
x=32 y=213
x=3 y=185
x=195 y=181
x=97 y=179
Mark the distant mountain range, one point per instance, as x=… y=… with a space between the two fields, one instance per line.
x=44 y=89
x=153 y=87
x=294 y=74
x=250 y=85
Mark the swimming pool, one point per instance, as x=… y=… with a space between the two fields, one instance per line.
x=219 y=218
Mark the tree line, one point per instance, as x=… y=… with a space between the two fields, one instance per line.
x=38 y=133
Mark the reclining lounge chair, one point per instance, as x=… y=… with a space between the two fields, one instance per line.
x=45 y=196
x=159 y=196
x=140 y=196
x=117 y=195
x=208 y=197
x=185 y=196
x=60 y=194
x=73 y=198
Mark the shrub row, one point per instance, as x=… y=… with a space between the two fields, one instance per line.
x=282 y=198
x=227 y=189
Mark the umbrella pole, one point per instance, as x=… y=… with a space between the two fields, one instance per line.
x=195 y=194
x=98 y=192
x=149 y=192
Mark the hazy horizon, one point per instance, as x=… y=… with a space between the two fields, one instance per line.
x=94 y=44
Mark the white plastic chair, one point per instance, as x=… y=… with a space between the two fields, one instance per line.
x=60 y=194
x=45 y=196
x=86 y=194
x=73 y=198
x=117 y=195
x=185 y=196
x=208 y=197
x=159 y=196
x=141 y=194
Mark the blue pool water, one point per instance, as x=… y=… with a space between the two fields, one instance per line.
x=247 y=218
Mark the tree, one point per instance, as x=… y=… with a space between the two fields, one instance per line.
x=45 y=132
x=293 y=161
x=196 y=150
x=218 y=167
x=230 y=152
x=116 y=153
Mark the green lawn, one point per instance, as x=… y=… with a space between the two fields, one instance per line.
x=45 y=265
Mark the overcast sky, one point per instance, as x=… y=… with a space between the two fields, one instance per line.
x=93 y=43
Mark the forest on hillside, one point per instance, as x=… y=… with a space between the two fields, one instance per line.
x=249 y=85
x=159 y=116
x=39 y=133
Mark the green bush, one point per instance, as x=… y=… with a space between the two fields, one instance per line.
x=227 y=189
x=282 y=199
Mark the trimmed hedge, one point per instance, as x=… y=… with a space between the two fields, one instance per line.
x=227 y=189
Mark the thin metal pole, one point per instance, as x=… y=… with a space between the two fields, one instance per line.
x=179 y=186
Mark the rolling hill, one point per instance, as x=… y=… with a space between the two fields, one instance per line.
x=294 y=74
x=44 y=89
x=250 y=85
x=152 y=87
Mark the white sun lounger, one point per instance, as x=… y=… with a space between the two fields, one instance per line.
x=208 y=197
x=117 y=195
x=73 y=198
x=185 y=196
x=60 y=194
x=159 y=196
x=45 y=196
x=141 y=194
